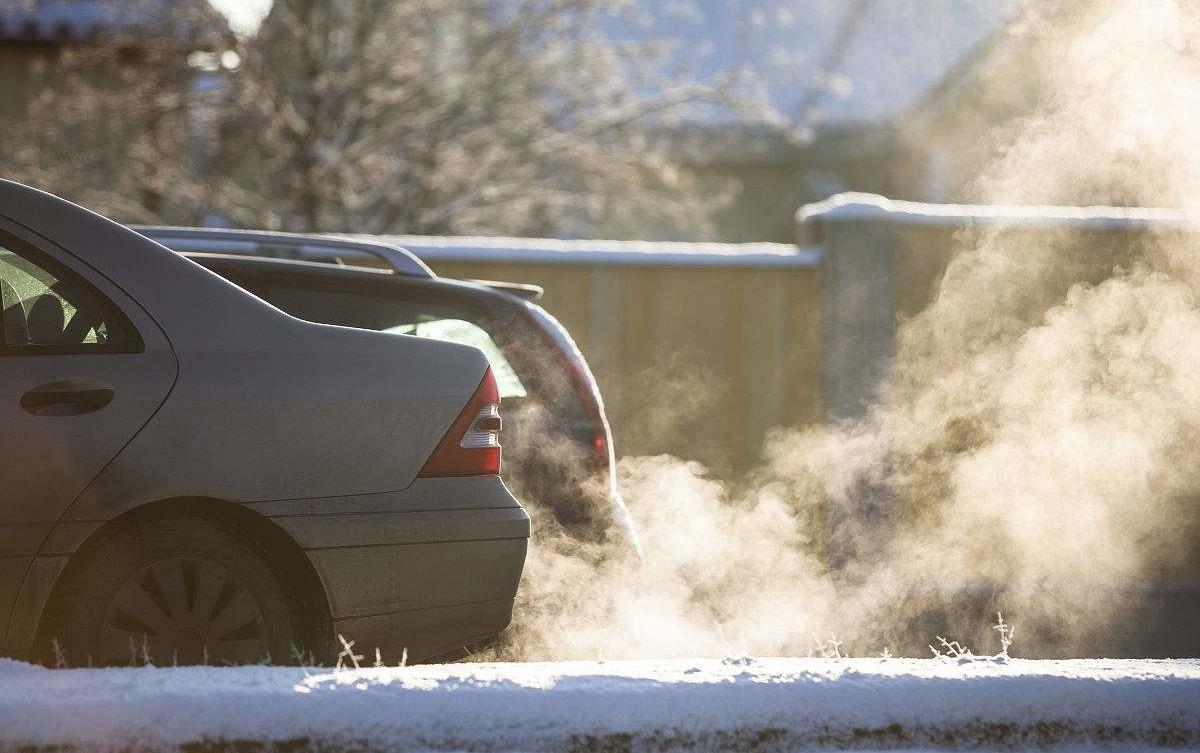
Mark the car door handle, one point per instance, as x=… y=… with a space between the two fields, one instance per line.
x=67 y=397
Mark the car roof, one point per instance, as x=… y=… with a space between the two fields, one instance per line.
x=300 y=246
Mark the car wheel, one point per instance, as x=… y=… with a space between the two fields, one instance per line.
x=178 y=591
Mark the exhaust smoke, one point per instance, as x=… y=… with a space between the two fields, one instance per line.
x=1033 y=449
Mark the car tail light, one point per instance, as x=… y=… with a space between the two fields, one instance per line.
x=471 y=447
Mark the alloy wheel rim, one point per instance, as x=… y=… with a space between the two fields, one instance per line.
x=183 y=611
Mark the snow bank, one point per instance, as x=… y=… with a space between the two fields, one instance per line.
x=764 y=704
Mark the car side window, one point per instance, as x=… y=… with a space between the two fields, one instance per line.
x=47 y=309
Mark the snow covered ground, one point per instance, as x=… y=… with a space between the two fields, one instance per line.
x=698 y=705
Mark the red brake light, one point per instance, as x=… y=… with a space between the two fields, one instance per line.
x=471 y=446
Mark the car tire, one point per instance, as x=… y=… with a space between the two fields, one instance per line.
x=177 y=591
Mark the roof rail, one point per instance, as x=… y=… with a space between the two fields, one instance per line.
x=305 y=247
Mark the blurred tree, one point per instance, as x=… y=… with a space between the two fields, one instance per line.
x=104 y=103
x=461 y=116
x=424 y=116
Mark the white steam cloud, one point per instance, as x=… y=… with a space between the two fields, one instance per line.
x=1036 y=436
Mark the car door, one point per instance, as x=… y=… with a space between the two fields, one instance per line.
x=82 y=369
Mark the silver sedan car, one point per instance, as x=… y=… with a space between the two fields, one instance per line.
x=189 y=475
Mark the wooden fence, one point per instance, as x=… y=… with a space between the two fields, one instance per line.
x=699 y=349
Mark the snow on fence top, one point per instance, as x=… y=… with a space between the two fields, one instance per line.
x=859 y=207
x=588 y=252
x=692 y=705
x=845 y=207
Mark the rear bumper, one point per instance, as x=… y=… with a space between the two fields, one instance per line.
x=431 y=569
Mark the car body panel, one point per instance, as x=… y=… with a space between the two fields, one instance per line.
x=38 y=584
x=561 y=475
x=12 y=574
x=47 y=460
x=315 y=427
x=403 y=567
x=308 y=425
x=248 y=380
x=60 y=455
x=57 y=456
x=424 y=494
